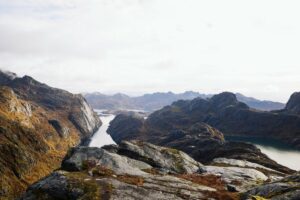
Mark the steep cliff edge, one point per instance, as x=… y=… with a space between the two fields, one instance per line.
x=38 y=124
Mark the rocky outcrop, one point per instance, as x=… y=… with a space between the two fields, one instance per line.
x=65 y=185
x=126 y=127
x=140 y=170
x=36 y=130
x=6 y=77
x=81 y=157
x=293 y=105
x=238 y=179
x=287 y=188
x=62 y=131
x=167 y=159
x=228 y=115
x=201 y=141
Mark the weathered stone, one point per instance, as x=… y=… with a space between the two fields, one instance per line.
x=120 y=164
x=284 y=189
x=62 y=131
x=65 y=185
x=30 y=146
x=94 y=173
x=160 y=157
x=242 y=163
x=242 y=178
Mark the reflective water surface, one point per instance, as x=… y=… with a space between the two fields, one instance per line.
x=101 y=137
x=275 y=149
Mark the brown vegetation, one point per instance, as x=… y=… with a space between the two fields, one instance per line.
x=214 y=182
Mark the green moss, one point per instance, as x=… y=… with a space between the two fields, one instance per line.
x=175 y=154
x=179 y=166
x=170 y=151
x=80 y=181
x=258 y=198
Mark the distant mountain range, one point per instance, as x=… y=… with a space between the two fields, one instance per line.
x=155 y=101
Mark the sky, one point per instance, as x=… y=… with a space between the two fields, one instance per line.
x=143 y=46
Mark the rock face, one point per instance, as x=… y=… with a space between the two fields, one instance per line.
x=293 y=105
x=83 y=156
x=227 y=114
x=6 y=77
x=36 y=130
x=201 y=141
x=283 y=189
x=170 y=160
x=139 y=170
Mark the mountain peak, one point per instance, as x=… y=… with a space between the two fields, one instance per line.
x=224 y=99
x=293 y=104
x=6 y=76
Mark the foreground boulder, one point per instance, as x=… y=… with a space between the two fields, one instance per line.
x=167 y=159
x=287 y=188
x=94 y=173
x=36 y=130
x=80 y=158
x=65 y=185
x=140 y=170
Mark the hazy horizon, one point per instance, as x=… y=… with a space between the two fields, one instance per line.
x=138 y=95
x=138 y=46
x=144 y=93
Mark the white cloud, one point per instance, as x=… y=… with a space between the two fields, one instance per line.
x=141 y=46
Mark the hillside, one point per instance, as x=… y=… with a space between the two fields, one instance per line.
x=222 y=111
x=38 y=126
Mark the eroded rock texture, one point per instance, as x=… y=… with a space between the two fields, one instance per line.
x=36 y=130
x=140 y=170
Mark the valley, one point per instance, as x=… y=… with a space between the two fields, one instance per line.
x=55 y=146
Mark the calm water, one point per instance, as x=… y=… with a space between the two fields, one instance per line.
x=101 y=137
x=275 y=149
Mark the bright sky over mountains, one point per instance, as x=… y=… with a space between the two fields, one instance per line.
x=140 y=46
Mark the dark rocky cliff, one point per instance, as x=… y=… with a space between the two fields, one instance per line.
x=293 y=105
x=225 y=113
x=38 y=124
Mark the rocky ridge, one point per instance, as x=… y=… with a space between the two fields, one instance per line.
x=223 y=112
x=140 y=170
x=38 y=124
x=287 y=188
x=293 y=105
